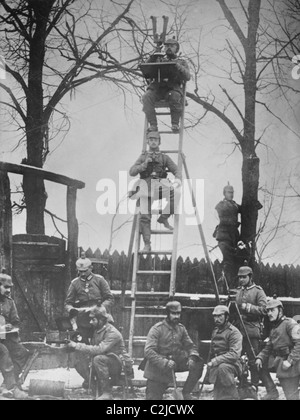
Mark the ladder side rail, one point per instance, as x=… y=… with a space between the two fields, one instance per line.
x=201 y=232
x=177 y=216
x=134 y=286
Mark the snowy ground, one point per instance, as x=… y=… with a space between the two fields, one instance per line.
x=74 y=391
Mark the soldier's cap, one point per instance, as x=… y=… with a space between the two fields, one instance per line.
x=173 y=306
x=245 y=271
x=172 y=41
x=83 y=264
x=153 y=135
x=228 y=188
x=5 y=279
x=99 y=312
x=274 y=302
x=221 y=310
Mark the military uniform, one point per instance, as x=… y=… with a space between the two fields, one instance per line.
x=255 y=300
x=107 y=351
x=225 y=352
x=284 y=344
x=153 y=183
x=227 y=233
x=170 y=90
x=87 y=293
x=165 y=342
x=13 y=355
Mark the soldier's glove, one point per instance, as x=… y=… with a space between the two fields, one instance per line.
x=258 y=363
x=244 y=306
x=71 y=345
x=171 y=365
x=191 y=363
x=9 y=327
x=180 y=67
x=286 y=365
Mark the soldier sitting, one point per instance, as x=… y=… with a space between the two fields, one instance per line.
x=168 y=348
x=170 y=89
x=282 y=351
x=13 y=355
x=106 y=353
x=225 y=352
x=153 y=167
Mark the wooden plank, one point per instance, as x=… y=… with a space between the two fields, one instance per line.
x=5 y=223
x=154 y=273
x=72 y=232
x=46 y=175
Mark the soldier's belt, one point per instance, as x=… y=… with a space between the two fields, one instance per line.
x=284 y=351
x=88 y=303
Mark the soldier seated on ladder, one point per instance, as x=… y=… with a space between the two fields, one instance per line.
x=106 y=352
x=252 y=302
x=225 y=352
x=227 y=233
x=153 y=167
x=170 y=89
x=169 y=347
x=13 y=355
x=282 y=350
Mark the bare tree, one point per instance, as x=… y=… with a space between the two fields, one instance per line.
x=250 y=55
x=51 y=48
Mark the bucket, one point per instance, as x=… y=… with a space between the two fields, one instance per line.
x=42 y=387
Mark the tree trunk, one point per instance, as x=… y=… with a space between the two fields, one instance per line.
x=250 y=168
x=34 y=188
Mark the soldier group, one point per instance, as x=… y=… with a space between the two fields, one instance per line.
x=100 y=355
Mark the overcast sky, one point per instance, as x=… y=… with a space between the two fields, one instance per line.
x=106 y=138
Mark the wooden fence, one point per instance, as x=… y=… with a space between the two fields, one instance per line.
x=193 y=276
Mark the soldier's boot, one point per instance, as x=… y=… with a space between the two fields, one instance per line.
x=272 y=393
x=145 y=230
x=19 y=394
x=194 y=375
x=163 y=219
x=105 y=390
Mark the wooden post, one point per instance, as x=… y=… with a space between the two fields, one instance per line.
x=5 y=223
x=72 y=232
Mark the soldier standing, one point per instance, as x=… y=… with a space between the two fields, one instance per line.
x=252 y=302
x=227 y=233
x=170 y=89
x=153 y=167
x=87 y=291
x=169 y=347
x=282 y=351
x=13 y=355
x=225 y=352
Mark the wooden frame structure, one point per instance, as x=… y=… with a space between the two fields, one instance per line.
x=72 y=187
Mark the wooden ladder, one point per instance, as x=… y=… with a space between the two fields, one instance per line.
x=137 y=273
x=135 y=242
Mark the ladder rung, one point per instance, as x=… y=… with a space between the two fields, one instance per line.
x=162 y=104
x=149 y=316
x=162 y=232
x=169 y=132
x=152 y=293
x=163 y=113
x=170 y=151
x=154 y=273
x=169 y=252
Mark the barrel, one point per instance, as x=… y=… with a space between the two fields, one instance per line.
x=43 y=387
